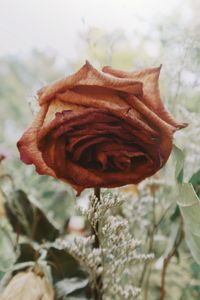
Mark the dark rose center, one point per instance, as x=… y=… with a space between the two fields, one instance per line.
x=95 y=140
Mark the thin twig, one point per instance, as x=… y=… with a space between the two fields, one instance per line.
x=152 y=234
x=96 y=242
x=151 y=245
x=168 y=259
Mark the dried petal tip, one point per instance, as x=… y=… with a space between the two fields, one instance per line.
x=87 y=62
x=182 y=125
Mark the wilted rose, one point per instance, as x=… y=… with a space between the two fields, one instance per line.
x=100 y=128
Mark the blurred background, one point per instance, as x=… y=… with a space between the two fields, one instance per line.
x=43 y=40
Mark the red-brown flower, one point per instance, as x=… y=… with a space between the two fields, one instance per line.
x=100 y=129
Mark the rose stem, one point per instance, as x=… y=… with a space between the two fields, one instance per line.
x=97 y=193
x=98 y=286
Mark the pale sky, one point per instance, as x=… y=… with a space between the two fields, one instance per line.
x=55 y=25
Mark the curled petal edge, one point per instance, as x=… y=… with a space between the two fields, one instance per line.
x=151 y=94
x=88 y=75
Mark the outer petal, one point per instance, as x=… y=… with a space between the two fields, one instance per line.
x=149 y=78
x=110 y=102
x=151 y=94
x=29 y=152
x=89 y=76
x=28 y=148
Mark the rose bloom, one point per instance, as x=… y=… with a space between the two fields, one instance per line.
x=103 y=128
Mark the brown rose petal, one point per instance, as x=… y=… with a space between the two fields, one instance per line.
x=89 y=76
x=29 y=153
x=151 y=93
x=100 y=129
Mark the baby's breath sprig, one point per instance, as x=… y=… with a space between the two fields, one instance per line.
x=118 y=256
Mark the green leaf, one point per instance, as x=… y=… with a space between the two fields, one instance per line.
x=7 y=246
x=70 y=280
x=195 y=181
x=28 y=219
x=179 y=158
x=189 y=204
x=63 y=264
x=74 y=287
x=172 y=238
x=175 y=214
x=27 y=253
